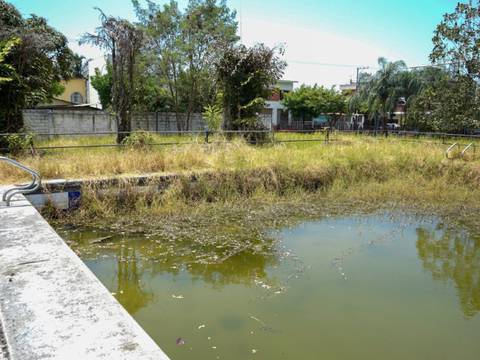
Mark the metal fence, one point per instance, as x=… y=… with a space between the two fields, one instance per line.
x=256 y=137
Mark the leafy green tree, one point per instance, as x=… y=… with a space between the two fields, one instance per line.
x=448 y=99
x=40 y=59
x=308 y=102
x=123 y=42
x=79 y=66
x=246 y=76
x=7 y=71
x=163 y=49
x=448 y=105
x=213 y=117
x=303 y=102
x=103 y=84
x=182 y=48
x=451 y=103
x=457 y=38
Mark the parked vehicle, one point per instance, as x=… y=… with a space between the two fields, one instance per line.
x=393 y=126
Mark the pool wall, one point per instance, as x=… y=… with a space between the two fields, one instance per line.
x=51 y=305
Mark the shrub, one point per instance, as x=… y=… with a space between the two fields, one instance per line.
x=213 y=117
x=255 y=132
x=18 y=144
x=138 y=139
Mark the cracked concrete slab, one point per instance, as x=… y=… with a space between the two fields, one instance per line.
x=51 y=305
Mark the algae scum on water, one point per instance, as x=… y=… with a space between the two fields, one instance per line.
x=375 y=286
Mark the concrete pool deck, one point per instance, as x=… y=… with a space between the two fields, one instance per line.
x=51 y=305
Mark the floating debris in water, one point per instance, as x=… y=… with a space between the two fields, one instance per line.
x=180 y=342
x=101 y=240
x=257 y=320
x=254 y=351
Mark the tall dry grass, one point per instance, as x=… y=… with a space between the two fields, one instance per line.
x=350 y=158
x=354 y=168
x=362 y=170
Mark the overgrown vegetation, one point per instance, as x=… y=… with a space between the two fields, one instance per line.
x=308 y=102
x=362 y=172
x=359 y=155
x=441 y=97
x=247 y=76
x=36 y=57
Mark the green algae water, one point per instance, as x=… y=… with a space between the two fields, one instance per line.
x=360 y=287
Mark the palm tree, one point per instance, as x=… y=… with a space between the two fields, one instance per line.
x=382 y=92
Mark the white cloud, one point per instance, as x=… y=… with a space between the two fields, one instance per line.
x=307 y=49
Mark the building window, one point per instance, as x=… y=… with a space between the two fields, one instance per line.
x=76 y=98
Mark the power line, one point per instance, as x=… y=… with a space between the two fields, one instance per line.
x=362 y=67
x=322 y=64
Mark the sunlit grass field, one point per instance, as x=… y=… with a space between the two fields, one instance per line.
x=351 y=157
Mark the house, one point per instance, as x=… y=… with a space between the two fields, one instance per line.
x=76 y=93
x=274 y=107
x=348 y=89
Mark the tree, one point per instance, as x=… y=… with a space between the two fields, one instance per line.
x=451 y=103
x=382 y=91
x=457 y=38
x=182 y=48
x=123 y=41
x=7 y=71
x=448 y=105
x=103 y=84
x=246 y=76
x=79 y=66
x=213 y=117
x=302 y=102
x=39 y=60
x=163 y=49
x=309 y=102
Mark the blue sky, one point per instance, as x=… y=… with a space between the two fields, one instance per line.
x=314 y=32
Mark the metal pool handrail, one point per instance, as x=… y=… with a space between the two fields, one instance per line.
x=21 y=189
x=451 y=147
x=469 y=146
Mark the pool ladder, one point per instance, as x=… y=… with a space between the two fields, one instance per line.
x=462 y=153
x=33 y=186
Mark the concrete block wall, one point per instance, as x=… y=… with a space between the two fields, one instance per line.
x=166 y=122
x=38 y=121
x=58 y=121
x=52 y=122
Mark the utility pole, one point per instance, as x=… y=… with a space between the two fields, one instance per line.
x=241 y=21
x=357 y=83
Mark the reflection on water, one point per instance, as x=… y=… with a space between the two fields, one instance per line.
x=344 y=288
x=130 y=290
x=453 y=255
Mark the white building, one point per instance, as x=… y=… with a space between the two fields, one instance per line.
x=275 y=108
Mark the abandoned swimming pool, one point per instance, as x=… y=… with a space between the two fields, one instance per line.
x=356 y=287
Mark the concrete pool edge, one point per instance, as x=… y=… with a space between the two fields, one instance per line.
x=52 y=306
